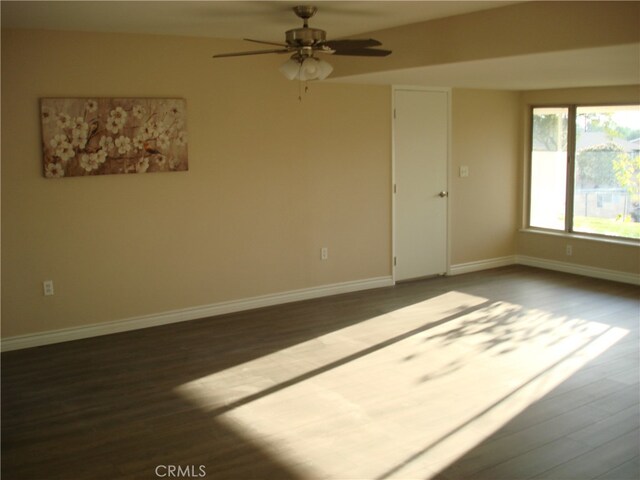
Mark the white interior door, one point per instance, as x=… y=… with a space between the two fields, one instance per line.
x=421 y=152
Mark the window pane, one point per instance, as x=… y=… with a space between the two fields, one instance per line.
x=607 y=172
x=549 y=168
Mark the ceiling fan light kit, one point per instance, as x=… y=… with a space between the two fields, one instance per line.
x=305 y=42
x=310 y=68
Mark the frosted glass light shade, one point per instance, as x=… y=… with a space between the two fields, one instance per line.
x=310 y=69
x=323 y=69
x=290 y=69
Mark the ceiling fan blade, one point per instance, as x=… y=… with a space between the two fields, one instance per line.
x=265 y=43
x=352 y=43
x=254 y=52
x=364 y=52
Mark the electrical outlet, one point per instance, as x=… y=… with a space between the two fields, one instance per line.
x=47 y=287
x=569 y=250
x=324 y=253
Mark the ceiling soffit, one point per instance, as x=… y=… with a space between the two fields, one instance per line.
x=510 y=31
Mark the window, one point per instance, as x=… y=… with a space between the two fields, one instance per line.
x=585 y=170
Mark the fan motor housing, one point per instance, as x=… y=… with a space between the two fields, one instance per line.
x=305 y=37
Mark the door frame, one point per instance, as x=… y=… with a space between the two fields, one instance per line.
x=422 y=88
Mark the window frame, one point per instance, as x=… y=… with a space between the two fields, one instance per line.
x=570 y=173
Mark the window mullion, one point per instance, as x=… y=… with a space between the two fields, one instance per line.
x=571 y=157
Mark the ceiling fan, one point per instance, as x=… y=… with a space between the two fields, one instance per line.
x=305 y=42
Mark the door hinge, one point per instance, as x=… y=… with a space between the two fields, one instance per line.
x=395 y=189
x=395 y=262
x=394 y=113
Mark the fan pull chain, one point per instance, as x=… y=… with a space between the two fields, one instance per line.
x=306 y=89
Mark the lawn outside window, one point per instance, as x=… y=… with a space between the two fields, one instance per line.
x=585 y=170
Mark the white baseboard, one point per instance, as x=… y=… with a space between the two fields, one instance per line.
x=482 y=265
x=566 y=267
x=192 y=313
x=576 y=269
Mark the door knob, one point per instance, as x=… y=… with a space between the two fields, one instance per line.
x=443 y=194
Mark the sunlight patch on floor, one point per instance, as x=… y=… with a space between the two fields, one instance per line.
x=401 y=394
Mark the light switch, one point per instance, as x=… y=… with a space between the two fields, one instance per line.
x=464 y=171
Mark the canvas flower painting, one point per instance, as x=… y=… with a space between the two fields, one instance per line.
x=99 y=136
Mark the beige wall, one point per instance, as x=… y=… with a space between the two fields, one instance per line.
x=484 y=205
x=271 y=180
x=586 y=252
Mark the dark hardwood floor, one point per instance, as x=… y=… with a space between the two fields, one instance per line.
x=513 y=373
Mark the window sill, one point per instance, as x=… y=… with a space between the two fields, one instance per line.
x=580 y=236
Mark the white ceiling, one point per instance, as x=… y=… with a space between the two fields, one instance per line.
x=267 y=20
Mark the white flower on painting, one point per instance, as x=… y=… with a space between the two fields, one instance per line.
x=79 y=139
x=142 y=165
x=79 y=132
x=54 y=170
x=161 y=160
x=119 y=116
x=148 y=131
x=91 y=105
x=79 y=124
x=138 y=111
x=123 y=144
x=163 y=141
x=63 y=120
x=174 y=162
x=57 y=141
x=153 y=128
x=65 y=151
x=112 y=125
x=89 y=161
x=106 y=143
x=138 y=141
x=182 y=138
x=101 y=155
x=46 y=114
